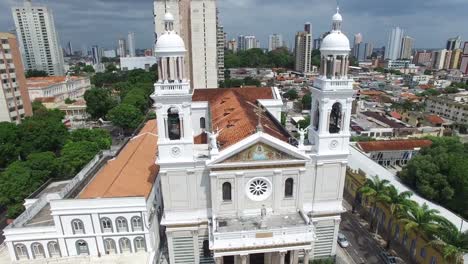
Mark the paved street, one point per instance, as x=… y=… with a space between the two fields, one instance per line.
x=363 y=248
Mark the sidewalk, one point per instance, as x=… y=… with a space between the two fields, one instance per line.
x=342 y=257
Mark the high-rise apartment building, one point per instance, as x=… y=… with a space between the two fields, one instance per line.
x=220 y=55
x=455 y=59
x=250 y=42
x=232 y=45
x=393 y=49
x=14 y=97
x=438 y=59
x=368 y=50
x=275 y=41
x=122 y=50
x=38 y=39
x=423 y=57
x=195 y=22
x=96 y=54
x=464 y=59
x=69 y=48
x=453 y=43
x=303 y=50
x=406 y=47
x=358 y=47
x=241 y=42
x=131 y=44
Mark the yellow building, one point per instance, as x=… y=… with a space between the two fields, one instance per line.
x=415 y=244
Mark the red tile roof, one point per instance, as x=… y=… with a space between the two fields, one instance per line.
x=435 y=119
x=393 y=145
x=395 y=115
x=44 y=82
x=130 y=174
x=232 y=110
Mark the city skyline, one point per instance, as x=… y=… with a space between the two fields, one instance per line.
x=238 y=16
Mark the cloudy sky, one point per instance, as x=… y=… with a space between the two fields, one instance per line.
x=102 y=22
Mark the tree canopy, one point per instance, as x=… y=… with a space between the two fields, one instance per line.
x=439 y=173
x=125 y=116
x=98 y=102
x=280 y=58
x=36 y=73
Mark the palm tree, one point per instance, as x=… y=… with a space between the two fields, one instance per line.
x=421 y=218
x=451 y=242
x=397 y=204
x=376 y=190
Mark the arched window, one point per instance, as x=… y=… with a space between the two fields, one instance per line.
x=288 y=187
x=227 y=191
x=78 y=227
x=202 y=122
x=140 y=244
x=317 y=116
x=21 y=251
x=335 y=119
x=82 y=247
x=54 y=249
x=125 y=246
x=106 y=225
x=173 y=122
x=137 y=225
x=121 y=224
x=109 y=246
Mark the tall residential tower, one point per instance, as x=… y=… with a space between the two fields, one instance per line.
x=38 y=39
x=393 y=49
x=14 y=97
x=303 y=49
x=195 y=21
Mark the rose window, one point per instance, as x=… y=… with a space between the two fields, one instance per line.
x=258 y=189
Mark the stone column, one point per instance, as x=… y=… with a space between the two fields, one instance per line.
x=243 y=259
x=334 y=67
x=159 y=69
x=282 y=254
x=325 y=62
x=219 y=260
x=306 y=256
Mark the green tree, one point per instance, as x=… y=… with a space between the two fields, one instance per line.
x=249 y=81
x=315 y=60
x=9 y=150
x=43 y=165
x=125 y=116
x=451 y=90
x=75 y=155
x=137 y=98
x=42 y=132
x=69 y=101
x=98 y=136
x=451 y=242
x=98 y=102
x=291 y=94
x=304 y=123
x=111 y=67
x=36 y=73
x=376 y=190
x=306 y=101
x=398 y=203
x=427 y=72
x=422 y=219
x=88 y=69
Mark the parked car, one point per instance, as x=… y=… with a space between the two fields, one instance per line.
x=342 y=240
x=387 y=258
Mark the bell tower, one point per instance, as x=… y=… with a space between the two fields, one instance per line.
x=172 y=98
x=332 y=95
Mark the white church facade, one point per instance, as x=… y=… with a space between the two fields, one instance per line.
x=215 y=176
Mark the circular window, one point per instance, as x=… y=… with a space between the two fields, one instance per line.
x=258 y=189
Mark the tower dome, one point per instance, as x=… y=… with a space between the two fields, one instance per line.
x=336 y=41
x=169 y=43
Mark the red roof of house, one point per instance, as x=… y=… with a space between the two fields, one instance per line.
x=435 y=119
x=393 y=145
x=395 y=115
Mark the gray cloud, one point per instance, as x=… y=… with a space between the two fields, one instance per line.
x=102 y=22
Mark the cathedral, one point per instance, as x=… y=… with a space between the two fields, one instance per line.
x=214 y=179
x=236 y=186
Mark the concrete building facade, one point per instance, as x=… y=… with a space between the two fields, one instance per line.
x=407 y=48
x=38 y=39
x=14 y=98
x=275 y=41
x=393 y=48
x=303 y=51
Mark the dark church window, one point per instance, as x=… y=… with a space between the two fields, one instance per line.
x=288 y=187
x=202 y=122
x=173 y=121
x=335 y=119
x=226 y=191
x=206 y=249
x=317 y=117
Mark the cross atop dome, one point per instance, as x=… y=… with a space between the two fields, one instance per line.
x=337 y=19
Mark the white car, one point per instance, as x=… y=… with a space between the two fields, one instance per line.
x=342 y=240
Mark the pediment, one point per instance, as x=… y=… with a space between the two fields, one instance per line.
x=259 y=149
